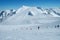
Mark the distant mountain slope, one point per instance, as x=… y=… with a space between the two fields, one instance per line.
x=32 y=15
x=6 y=14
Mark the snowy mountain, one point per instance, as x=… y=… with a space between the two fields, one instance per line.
x=10 y=12
x=33 y=10
x=32 y=15
x=30 y=23
x=39 y=11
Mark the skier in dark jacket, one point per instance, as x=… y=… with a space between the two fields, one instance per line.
x=38 y=27
x=58 y=26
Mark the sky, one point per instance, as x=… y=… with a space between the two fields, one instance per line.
x=15 y=4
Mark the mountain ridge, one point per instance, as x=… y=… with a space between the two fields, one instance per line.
x=32 y=15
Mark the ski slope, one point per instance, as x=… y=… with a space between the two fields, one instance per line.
x=28 y=32
x=23 y=26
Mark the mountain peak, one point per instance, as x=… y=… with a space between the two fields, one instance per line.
x=25 y=6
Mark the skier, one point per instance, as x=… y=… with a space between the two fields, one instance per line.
x=38 y=27
x=58 y=26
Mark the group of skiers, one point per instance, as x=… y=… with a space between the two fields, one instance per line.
x=57 y=26
x=38 y=27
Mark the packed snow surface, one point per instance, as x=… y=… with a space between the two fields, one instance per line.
x=31 y=23
x=28 y=32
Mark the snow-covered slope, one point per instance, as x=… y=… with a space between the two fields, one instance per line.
x=26 y=32
x=10 y=12
x=5 y=14
x=31 y=23
x=32 y=15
